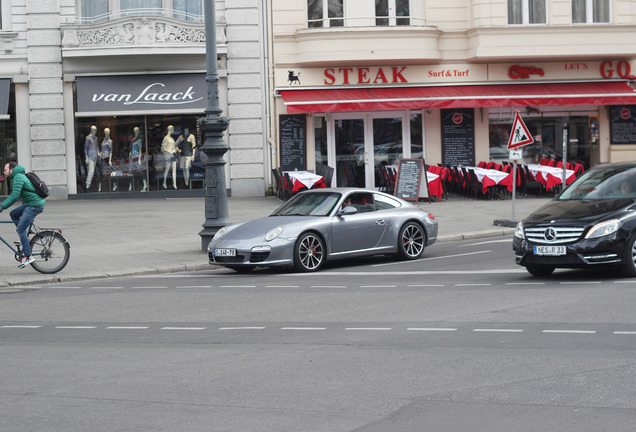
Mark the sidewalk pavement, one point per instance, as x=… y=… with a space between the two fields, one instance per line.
x=120 y=237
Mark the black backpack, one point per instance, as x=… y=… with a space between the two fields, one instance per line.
x=40 y=187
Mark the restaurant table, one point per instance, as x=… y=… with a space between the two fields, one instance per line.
x=490 y=177
x=305 y=179
x=551 y=176
x=434 y=185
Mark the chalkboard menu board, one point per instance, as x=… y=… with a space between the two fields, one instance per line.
x=623 y=124
x=292 y=132
x=458 y=137
x=407 y=184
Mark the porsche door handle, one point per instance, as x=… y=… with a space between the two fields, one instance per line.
x=380 y=222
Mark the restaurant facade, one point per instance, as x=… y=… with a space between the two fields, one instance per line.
x=442 y=83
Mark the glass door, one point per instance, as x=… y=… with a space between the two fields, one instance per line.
x=362 y=144
x=350 y=151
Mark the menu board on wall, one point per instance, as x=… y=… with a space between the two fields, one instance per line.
x=293 y=146
x=623 y=124
x=409 y=175
x=458 y=137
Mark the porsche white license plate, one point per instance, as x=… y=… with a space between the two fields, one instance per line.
x=549 y=250
x=224 y=252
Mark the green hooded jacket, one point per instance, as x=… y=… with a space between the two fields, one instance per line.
x=21 y=188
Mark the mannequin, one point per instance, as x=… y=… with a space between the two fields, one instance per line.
x=187 y=153
x=136 y=157
x=105 y=157
x=169 y=149
x=91 y=152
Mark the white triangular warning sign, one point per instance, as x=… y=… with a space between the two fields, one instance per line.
x=519 y=135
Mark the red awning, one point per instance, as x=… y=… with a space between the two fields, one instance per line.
x=458 y=96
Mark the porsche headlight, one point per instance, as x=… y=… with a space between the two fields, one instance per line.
x=519 y=231
x=273 y=233
x=603 y=229
x=219 y=233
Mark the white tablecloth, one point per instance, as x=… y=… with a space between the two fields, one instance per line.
x=494 y=175
x=307 y=178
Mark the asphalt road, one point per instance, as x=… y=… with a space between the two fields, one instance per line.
x=460 y=340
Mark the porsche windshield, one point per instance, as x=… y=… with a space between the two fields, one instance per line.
x=603 y=183
x=309 y=204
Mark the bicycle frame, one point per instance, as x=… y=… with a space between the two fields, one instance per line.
x=33 y=229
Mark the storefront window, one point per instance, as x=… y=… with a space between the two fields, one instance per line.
x=139 y=153
x=417 y=141
x=8 y=143
x=547 y=133
x=320 y=139
x=527 y=11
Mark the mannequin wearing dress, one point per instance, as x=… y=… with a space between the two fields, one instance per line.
x=91 y=153
x=169 y=149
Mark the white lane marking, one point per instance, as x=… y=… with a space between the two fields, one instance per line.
x=571 y=331
x=425 y=286
x=508 y=240
x=194 y=286
x=525 y=283
x=412 y=273
x=580 y=283
x=625 y=282
x=378 y=286
x=431 y=258
x=237 y=286
x=183 y=328
x=329 y=286
x=282 y=286
x=106 y=288
x=149 y=287
x=242 y=328
x=61 y=287
x=472 y=284
x=368 y=328
x=499 y=330
x=126 y=328
x=303 y=328
x=625 y=332
x=431 y=329
x=76 y=327
x=22 y=326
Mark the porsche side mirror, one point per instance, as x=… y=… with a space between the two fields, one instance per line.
x=349 y=210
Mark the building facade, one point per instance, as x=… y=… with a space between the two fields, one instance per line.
x=103 y=96
x=372 y=81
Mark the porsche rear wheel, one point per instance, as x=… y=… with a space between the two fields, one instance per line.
x=309 y=253
x=411 y=241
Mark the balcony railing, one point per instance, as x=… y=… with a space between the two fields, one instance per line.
x=149 y=12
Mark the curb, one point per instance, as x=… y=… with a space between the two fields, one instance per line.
x=205 y=266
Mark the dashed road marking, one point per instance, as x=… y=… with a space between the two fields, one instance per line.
x=242 y=328
x=127 y=328
x=304 y=328
x=625 y=332
x=368 y=328
x=492 y=330
x=570 y=331
x=183 y=328
x=22 y=326
x=78 y=327
x=431 y=329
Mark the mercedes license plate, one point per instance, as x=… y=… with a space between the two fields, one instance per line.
x=549 y=250
x=224 y=252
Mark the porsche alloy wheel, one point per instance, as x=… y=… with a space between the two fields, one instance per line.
x=412 y=241
x=309 y=253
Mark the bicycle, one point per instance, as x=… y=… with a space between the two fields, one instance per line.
x=49 y=248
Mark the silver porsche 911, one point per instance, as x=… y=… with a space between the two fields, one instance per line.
x=325 y=224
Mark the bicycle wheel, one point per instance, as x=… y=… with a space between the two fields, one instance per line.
x=51 y=252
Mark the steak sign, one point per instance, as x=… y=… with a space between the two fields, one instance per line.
x=141 y=93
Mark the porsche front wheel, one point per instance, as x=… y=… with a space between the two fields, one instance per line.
x=309 y=253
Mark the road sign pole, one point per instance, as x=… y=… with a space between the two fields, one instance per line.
x=514 y=187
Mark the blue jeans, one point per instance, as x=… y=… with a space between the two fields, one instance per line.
x=23 y=217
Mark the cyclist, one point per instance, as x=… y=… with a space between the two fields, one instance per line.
x=24 y=215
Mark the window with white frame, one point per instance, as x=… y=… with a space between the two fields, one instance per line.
x=527 y=12
x=336 y=13
x=325 y=13
x=590 y=11
x=102 y=10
